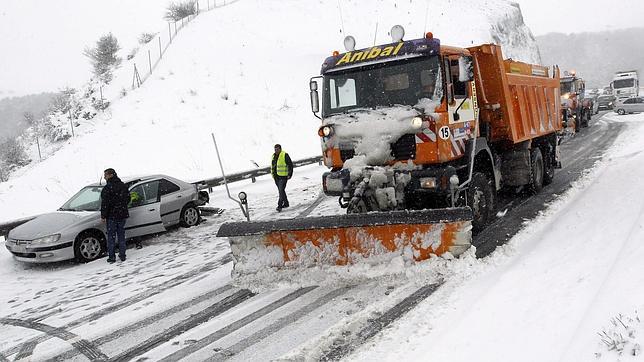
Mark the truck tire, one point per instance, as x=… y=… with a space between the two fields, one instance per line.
x=480 y=197
x=536 y=170
x=621 y=112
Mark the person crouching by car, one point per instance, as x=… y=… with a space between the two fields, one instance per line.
x=114 y=199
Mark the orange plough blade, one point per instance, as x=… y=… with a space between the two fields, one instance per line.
x=375 y=237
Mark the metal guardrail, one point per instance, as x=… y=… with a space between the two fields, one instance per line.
x=251 y=174
x=203 y=184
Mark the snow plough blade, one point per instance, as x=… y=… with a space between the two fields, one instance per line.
x=347 y=239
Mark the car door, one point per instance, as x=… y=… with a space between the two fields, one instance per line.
x=629 y=105
x=172 y=201
x=639 y=105
x=145 y=210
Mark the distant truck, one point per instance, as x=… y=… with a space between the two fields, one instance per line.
x=626 y=84
x=576 y=108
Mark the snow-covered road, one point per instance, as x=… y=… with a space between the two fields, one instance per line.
x=174 y=298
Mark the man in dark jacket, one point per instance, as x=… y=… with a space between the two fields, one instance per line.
x=282 y=171
x=114 y=199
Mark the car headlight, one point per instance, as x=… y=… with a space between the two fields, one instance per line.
x=46 y=239
x=428 y=182
x=416 y=123
x=610 y=103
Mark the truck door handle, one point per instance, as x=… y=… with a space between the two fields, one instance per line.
x=178 y=196
x=151 y=209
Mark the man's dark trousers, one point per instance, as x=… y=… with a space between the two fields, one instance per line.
x=280 y=181
x=115 y=228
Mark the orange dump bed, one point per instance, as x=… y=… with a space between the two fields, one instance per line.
x=519 y=101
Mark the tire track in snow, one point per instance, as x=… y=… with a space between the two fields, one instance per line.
x=217 y=335
x=123 y=303
x=147 y=321
x=278 y=325
x=88 y=349
x=195 y=320
x=342 y=348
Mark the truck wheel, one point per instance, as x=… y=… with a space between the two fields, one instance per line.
x=621 y=112
x=480 y=197
x=89 y=246
x=189 y=216
x=536 y=170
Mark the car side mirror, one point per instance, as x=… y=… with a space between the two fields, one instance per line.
x=457 y=117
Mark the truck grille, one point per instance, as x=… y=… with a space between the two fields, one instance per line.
x=347 y=154
x=404 y=148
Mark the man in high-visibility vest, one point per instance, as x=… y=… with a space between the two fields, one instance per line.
x=282 y=170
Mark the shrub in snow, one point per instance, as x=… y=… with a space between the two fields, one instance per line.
x=621 y=336
x=103 y=57
x=12 y=153
x=224 y=96
x=145 y=38
x=179 y=10
x=4 y=171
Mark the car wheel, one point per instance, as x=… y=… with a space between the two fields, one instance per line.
x=189 y=216
x=89 y=246
x=536 y=170
x=480 y=197
x=621 y=112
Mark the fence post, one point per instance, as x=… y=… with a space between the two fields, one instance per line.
x=208 y=5
x=38 y=144
x=150 y=61
x=71 y=123
x=175 y=28
x=160 y=52
x=170 y=32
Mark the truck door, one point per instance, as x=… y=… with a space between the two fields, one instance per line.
x=145 y=210
x=459 y=96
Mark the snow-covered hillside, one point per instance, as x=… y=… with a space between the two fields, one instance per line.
x=241 y=72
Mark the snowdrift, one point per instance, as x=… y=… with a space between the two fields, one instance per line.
x=241 y=72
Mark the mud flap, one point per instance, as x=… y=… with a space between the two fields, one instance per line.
x=375 y=237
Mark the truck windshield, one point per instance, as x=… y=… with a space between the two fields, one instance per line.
x=382 y=85
x=567 y=87
x=87 y=199
x=624 y=83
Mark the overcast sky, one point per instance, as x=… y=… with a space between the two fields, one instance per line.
x=41 y=41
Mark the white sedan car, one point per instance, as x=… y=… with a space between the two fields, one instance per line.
x=629 y=105
x=75 y=231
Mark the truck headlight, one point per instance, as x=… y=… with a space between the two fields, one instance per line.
x=46 y=239
x=416 y=123
x=428 y=182
x=325 y=131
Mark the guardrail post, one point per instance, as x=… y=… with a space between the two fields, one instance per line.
x=252 y=179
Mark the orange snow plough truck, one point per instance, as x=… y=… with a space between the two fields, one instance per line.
x=418 y=137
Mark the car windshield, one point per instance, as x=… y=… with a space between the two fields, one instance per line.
x=624 y=83
x=382 y=85
x=87 y=199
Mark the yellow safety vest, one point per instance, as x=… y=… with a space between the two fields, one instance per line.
x=282 y=168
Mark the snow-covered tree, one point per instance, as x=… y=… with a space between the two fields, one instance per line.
x=103 y=57
x=179 y=10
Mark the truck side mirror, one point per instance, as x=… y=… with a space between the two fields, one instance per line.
x=315 y=98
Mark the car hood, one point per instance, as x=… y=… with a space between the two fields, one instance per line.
x=48 y=224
